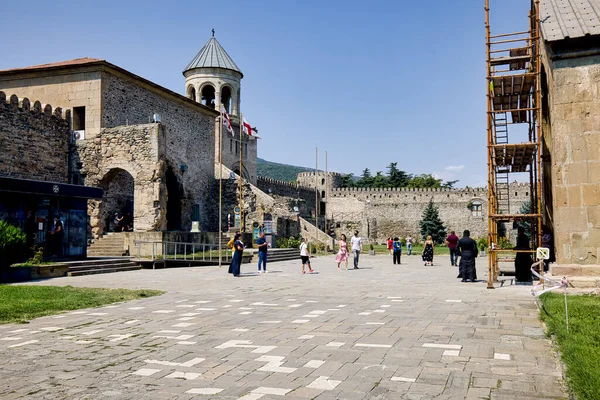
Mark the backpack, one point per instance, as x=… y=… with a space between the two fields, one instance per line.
x=230 y=243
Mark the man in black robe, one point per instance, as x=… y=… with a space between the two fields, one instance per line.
x=522 y=260
x=467 y=248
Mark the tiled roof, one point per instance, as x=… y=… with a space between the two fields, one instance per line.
x=562 y=19
x=212 y=55
x=76 y=61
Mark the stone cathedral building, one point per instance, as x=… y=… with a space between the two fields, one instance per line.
x=150 y=149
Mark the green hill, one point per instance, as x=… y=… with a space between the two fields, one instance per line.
x=282 y=172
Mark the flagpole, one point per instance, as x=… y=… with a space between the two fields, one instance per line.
x=325 y=197
x=316 y=197
x=220 y=187
x=241 y=202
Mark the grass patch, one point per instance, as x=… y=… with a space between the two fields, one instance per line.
x=23 y=303
x=580 y=347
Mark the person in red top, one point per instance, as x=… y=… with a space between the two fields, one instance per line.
x=390 y=244
x=451 y=242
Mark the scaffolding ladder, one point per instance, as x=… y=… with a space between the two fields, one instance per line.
x=513 y=99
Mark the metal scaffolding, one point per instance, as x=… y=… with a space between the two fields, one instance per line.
x=513 y=130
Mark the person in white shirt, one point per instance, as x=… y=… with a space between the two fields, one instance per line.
x=305 y=256
x=356 y=247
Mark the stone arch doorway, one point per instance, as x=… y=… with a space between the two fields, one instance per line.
x=236 y=170
x=119 y=187
x=174 y=199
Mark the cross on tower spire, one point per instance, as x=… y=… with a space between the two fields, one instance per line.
x=213 y=32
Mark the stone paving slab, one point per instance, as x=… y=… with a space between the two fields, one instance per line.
x=381 y=332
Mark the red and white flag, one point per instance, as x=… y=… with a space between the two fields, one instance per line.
x=227 y=121
x=248 y=129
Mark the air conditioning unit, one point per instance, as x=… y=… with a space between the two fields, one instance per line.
x=79 y=135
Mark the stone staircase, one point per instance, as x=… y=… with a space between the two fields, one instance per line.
x=274 y=255
x=110 y=245
x=101 y=266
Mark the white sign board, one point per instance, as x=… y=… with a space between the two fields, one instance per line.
x=543 y=253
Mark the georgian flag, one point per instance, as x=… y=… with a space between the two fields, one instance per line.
x=227 y=121
x=248 y=129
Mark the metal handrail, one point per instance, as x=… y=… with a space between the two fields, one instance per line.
x=179 y=251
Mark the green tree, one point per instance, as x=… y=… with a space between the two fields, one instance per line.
x=449 y=184
x=347 y=181
x=366 y=180
x=431 y=224
x=12 y=244
x=396 y=177
x=424 y=181
x=380 y=180
x=526 y=209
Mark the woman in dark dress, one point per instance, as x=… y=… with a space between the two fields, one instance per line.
x=236 y=261
x=428 y=251
x=467 y=248
x=522 y=260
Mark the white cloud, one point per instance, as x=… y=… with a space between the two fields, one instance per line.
x=454 y=168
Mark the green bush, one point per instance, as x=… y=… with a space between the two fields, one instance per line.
x=482 y=243
x=504 y=243
x=287 y=243
x=12 y=243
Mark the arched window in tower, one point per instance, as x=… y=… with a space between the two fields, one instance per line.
x=191 y=93
x=322 y=181
x=226 y=98
x=208 y=96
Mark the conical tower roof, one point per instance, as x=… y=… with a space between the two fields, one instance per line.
x=213 y=55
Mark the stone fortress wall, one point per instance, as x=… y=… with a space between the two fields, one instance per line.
x=379 y=213
x=301 y=196
x=35 y=140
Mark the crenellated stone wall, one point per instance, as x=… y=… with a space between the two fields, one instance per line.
x=34 y=140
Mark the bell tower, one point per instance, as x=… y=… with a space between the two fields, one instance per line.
x=213 y=79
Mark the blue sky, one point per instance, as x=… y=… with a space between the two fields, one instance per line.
x=370 y=82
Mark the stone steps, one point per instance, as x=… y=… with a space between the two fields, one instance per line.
x=111 y=244
x=101 y=266
x=103 y=270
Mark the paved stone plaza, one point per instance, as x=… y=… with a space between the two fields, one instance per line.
x=382 y=332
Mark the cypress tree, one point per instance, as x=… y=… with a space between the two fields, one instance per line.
x=431 y=224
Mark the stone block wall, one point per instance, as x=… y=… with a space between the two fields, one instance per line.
x=571 y=132
x=70 y=89
x=121 y=157
x=34 y=140
x=188 y=132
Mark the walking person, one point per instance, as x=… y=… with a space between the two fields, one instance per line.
x=468 y=252
x=342 y=254
x=305 y=256
x=409 y=243
x=236 y=260
x=356 y=248
x=263 y=246
x=428 y=251
x=390 y=245
x=452 y=243
x=397 y=244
